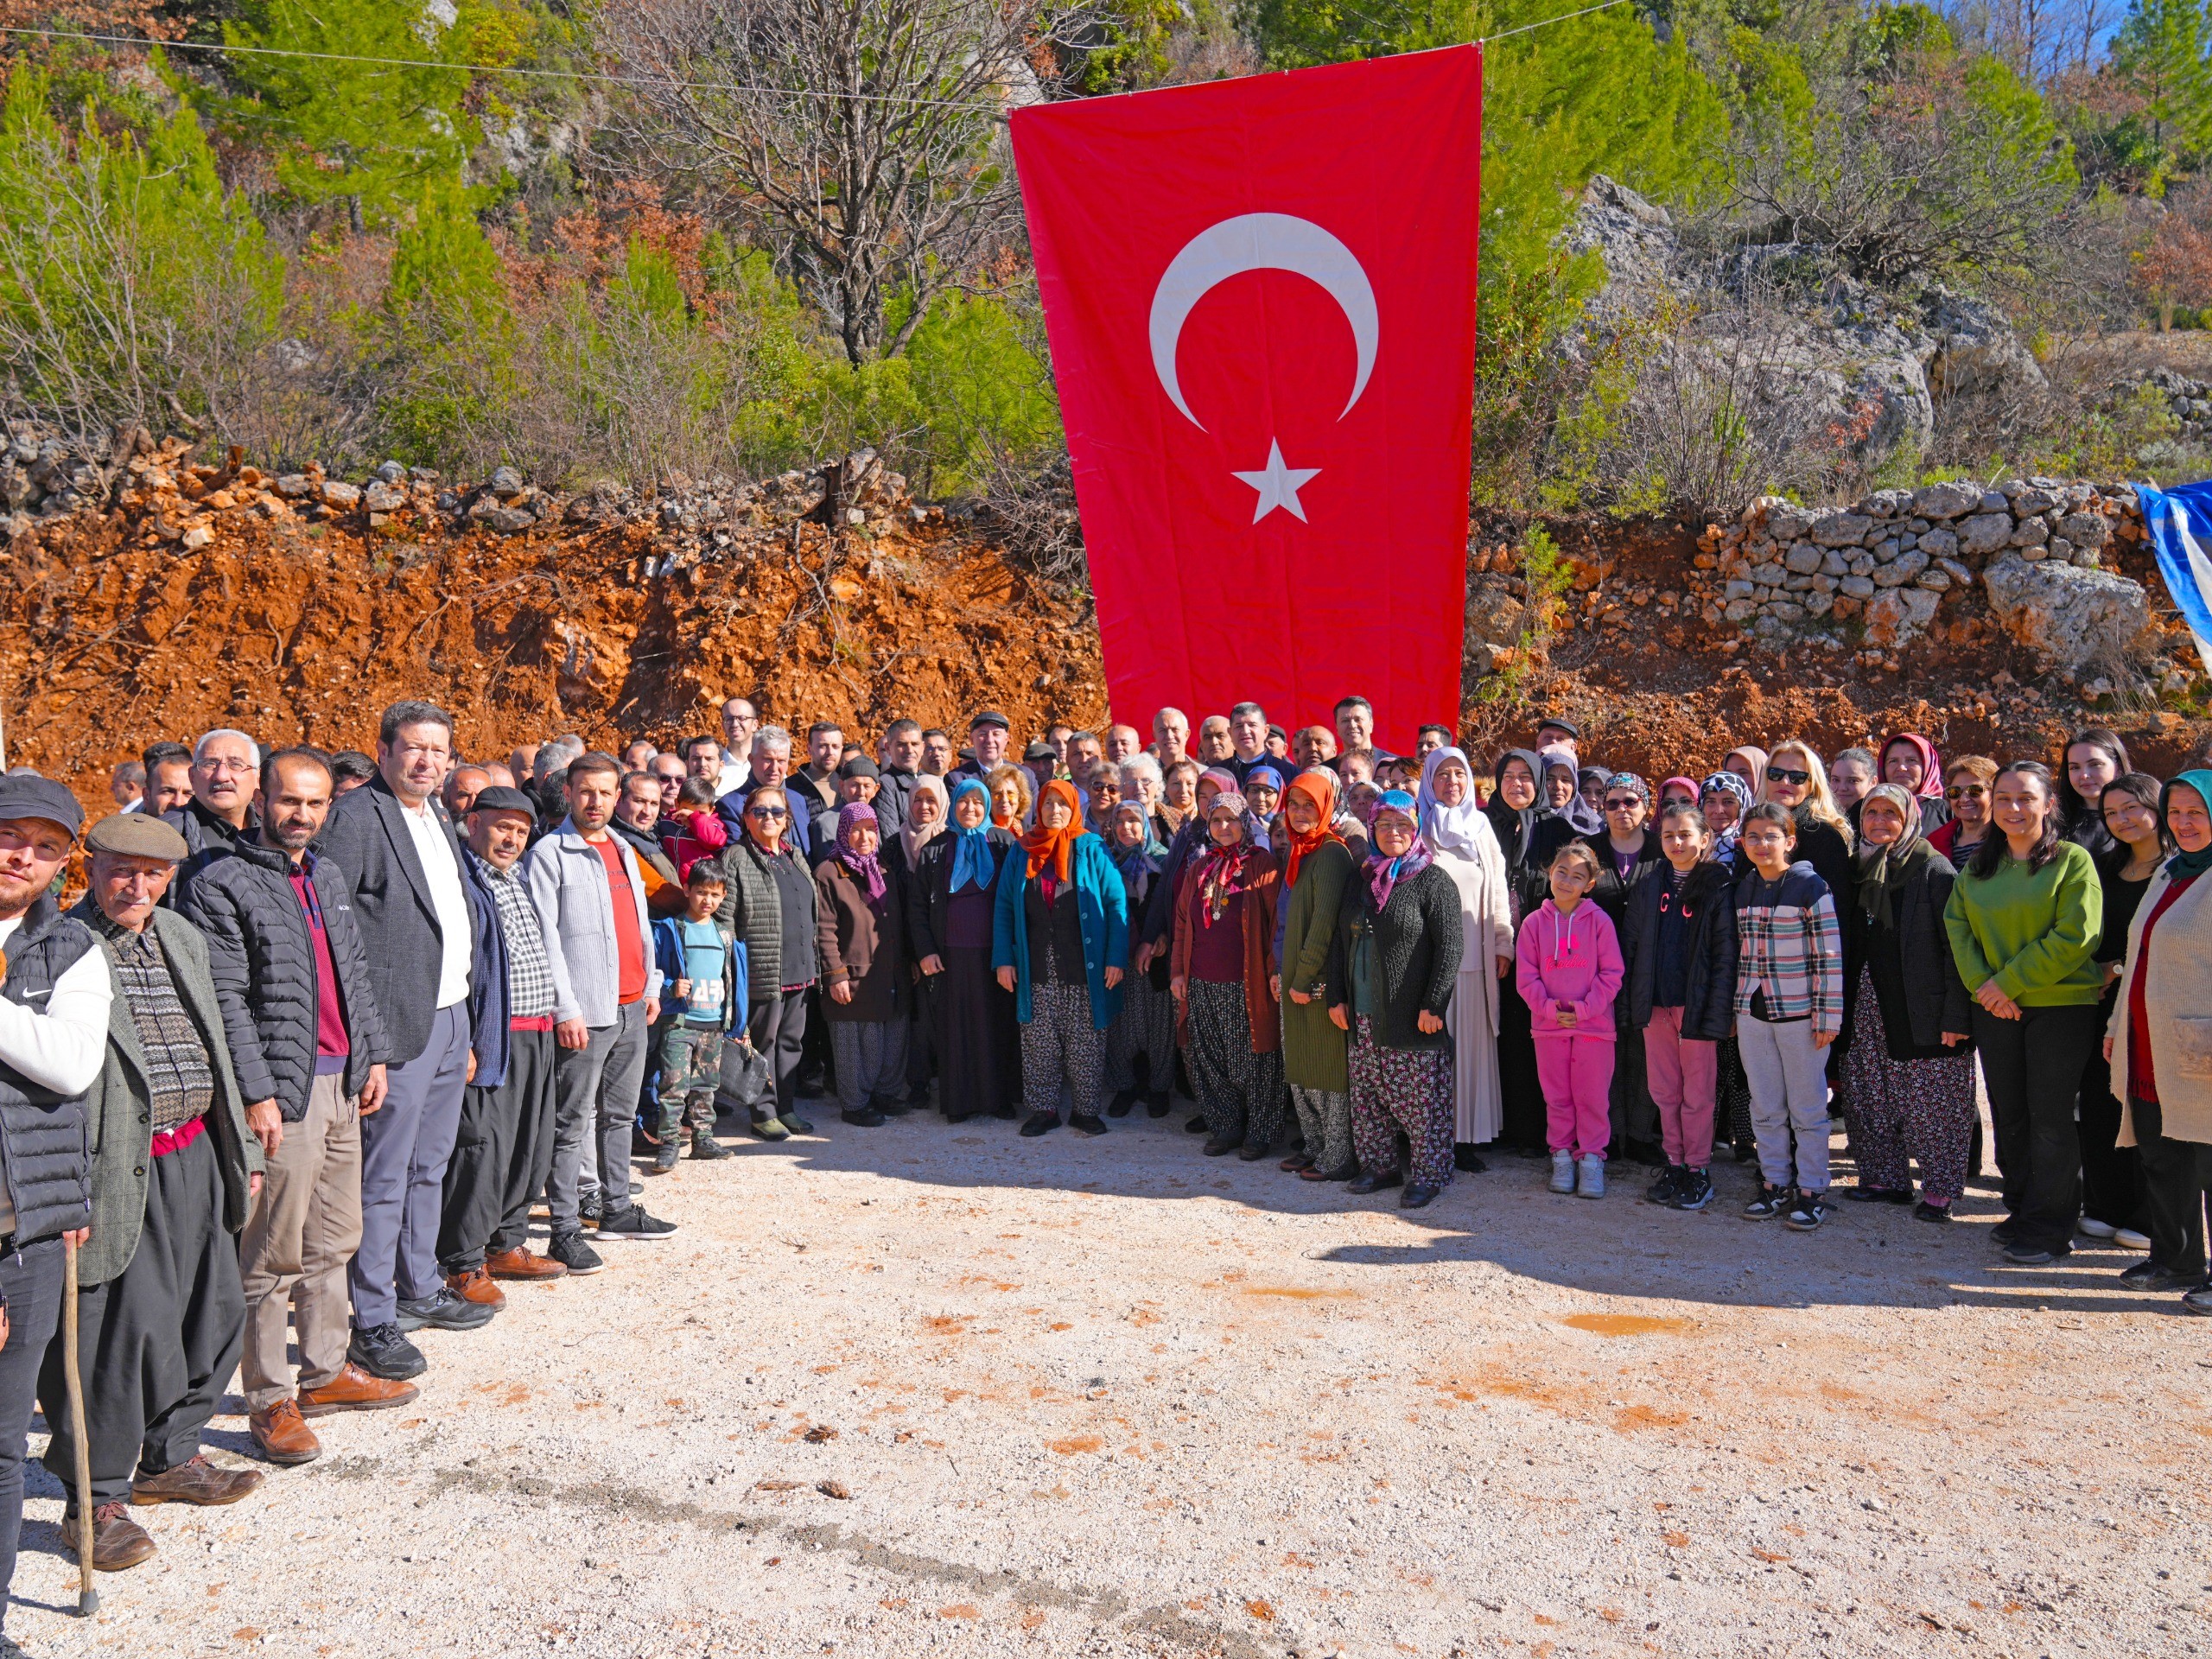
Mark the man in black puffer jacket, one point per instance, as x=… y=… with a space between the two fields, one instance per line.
x=310 y=1047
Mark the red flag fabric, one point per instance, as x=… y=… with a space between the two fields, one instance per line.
x=1260 y=298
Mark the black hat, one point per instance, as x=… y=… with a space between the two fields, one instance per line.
x=29 y=796
x=859 y=767
x=991 y=717
x=1040 y=751
x=136 y=835
x=1561 y=723
x=498 y=798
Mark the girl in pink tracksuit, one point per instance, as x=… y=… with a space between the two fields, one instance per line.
x=1569 y=973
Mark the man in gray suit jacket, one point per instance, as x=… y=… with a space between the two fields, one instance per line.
x=599 y=948
x=393 y=838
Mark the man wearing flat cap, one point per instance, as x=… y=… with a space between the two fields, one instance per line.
x=989 y=734
x=173 y=1173
x=54 y=1006
x=308 y=1039
x=504 y=1149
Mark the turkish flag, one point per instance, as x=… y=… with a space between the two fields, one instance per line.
x=1260 y=299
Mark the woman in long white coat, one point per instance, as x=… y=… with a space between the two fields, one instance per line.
x=1466 y=848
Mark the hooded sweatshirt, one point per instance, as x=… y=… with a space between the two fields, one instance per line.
x=1573 y=958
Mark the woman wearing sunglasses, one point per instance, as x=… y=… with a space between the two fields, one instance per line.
x=1965 y=793
x=769 y=904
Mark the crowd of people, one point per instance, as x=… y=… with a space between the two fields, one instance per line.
x=292 y=1077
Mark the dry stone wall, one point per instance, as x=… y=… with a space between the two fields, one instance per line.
x=1877 y=575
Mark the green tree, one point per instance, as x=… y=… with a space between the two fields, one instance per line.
x=133 y=286
x=2161 y=49
x=374 y=134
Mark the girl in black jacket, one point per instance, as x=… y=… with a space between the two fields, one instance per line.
x=1911 y=1071
x=1678 y=949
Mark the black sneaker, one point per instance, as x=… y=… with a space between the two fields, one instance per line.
x=2026 y=1253
x=866 y=1118
x=664 y=1159
x=705 y=1148
x=632 y=1222
x=1807 y=1213
x=2004 y=1234
x=444 y=1311
x=572 y=1253
x=1087 y=1123
x=1772 y=1201
x=591 y=1207
x=1041 y=1123
x=1663 y=1190
x=381 y=1350
x=1692 y=1192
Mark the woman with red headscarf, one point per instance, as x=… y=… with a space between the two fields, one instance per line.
x=1319 y=864
x=1909 y=761
x=1060 y=939
x=1222 y=972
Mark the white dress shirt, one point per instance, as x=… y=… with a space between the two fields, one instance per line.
x=446 y=897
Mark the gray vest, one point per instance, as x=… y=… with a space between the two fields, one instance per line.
x=44 y=1156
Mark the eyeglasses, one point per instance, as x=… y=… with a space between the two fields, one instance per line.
x=766 y=814
x=1957 y=791
x=1787 y=775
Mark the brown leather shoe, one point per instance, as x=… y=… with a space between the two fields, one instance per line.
x=117 y=1541
x=354 y=1389
x=195 y=1481
x=282 y=1434
x=476 y=1286
x=521 y=1263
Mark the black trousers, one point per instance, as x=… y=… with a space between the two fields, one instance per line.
x=2177 y=1178
x=921 y=1039
x=1521 y=1091
x=778 y=1028
x=30 y=1277
x=500 y=1157
x=2033 y=1067
x=2112 y=1180
x=157 y=1343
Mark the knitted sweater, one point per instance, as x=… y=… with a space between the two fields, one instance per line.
x=2034 y=933
x=1417 y=949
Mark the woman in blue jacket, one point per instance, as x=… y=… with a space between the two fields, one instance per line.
x=1059 y=940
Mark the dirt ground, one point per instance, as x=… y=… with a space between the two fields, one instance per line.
x=939 y=1390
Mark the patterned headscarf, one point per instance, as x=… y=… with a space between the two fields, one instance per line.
x=1227 y=870
x=1384 y=873
x=1727 y=783
x=867 y=866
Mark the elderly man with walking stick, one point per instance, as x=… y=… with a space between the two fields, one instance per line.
x=54 y=1005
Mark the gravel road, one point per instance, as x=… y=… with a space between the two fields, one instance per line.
x=937 y=1389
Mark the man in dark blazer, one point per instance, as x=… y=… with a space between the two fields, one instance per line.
x=393 y=839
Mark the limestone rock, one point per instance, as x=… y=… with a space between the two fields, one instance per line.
x=1842 y=529
x=2070 y=616
x=1983 y=533
x=1953 y=500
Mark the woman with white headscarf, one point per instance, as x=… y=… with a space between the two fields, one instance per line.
x=1458 y=832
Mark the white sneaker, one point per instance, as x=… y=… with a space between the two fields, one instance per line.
x=2095 y=1228
x=1589 y=1178
x=2128 y=1239
x=1562 y=1171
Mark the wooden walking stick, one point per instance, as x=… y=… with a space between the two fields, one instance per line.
x=88 y=1600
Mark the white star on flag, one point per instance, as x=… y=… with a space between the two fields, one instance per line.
x=1279 y=485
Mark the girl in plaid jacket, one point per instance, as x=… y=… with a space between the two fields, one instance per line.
x=1788 y=1009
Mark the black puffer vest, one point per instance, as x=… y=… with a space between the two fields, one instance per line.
x=45 y=1157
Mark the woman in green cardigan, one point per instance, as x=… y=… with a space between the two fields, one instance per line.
x=2024 y=917
x=1318 y=865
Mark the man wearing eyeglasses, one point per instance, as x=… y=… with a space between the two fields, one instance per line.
x=225 y=773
